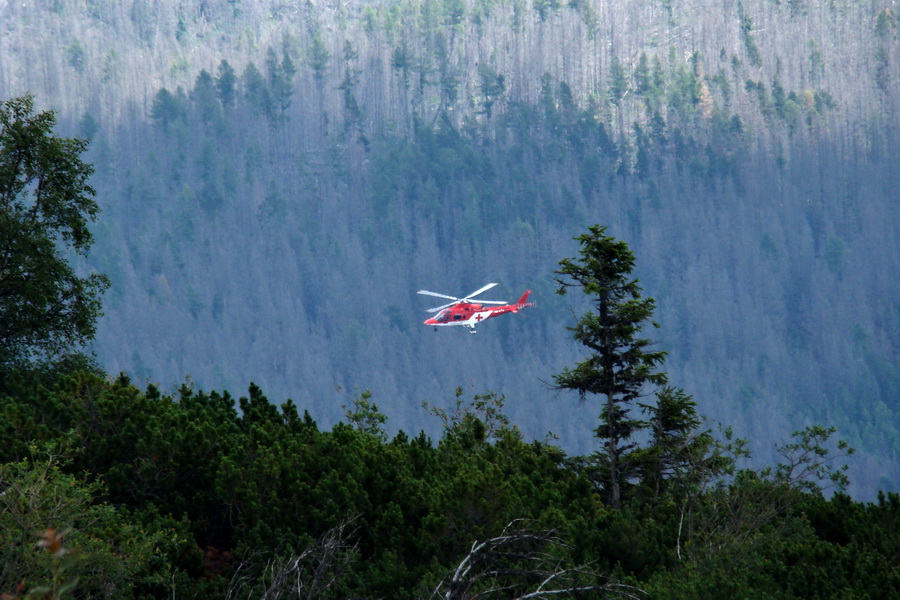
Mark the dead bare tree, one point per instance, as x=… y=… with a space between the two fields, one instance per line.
x=523 y=564
x=304 y=576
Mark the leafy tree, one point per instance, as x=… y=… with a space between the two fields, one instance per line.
x=642 y=78
x=746 y=513
x=483 y=415
x=178 y=495
x=620 y=363
x=54 y=536
x=45 y=206
x=365 y=416
x=686 y=88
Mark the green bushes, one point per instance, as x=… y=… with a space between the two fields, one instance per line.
x=159 y=495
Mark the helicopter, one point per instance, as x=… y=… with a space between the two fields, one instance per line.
x=468 y=313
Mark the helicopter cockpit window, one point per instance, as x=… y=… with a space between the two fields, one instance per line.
x=443 y=316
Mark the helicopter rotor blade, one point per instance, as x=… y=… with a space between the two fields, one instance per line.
x=482 y=290
x=456 y=300
x=436 y=295
x=442 y=307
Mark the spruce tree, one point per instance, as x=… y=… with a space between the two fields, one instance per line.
x=620 y=363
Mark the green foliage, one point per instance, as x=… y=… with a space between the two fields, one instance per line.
x=204 y=98
x=46 y=203
x=807 y=553
x=75 y=55
x=481 y=418
x=256 y=92
x=620 y=364
x=365 y=415
x=226 y=83
x=810 y=462
x=546 y=175
x=492 y=85
x=649 y=80
x=106 y=553
x=680 y=460
x=167 y=108
x=183 y=495
x=243 y=494
x=318 y=55
x=544 y=7
x=280 y=79
x=750 y=47
x=749 y=512
x=787 y=106
x=618 y=85
x=686 y=88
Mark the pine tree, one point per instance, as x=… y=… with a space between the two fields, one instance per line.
x=226 y=83
x=680 y=457
x=620 y=363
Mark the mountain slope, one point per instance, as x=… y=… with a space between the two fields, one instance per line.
x=276 y=230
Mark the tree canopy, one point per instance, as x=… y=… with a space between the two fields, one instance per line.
x=46 y=203
x=620 y=364
x=159 y=495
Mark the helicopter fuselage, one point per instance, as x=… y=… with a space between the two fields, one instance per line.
x=470 y=314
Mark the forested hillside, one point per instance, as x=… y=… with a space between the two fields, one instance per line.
x=277 y=179
x=135 y=494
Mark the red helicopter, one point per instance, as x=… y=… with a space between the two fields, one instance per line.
x=465 y=312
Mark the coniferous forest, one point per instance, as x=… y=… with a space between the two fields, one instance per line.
x=230 y=393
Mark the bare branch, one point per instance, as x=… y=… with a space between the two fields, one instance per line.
x=523 y=564
x=307 y=575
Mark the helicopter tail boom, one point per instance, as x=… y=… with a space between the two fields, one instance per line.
x=523 y=301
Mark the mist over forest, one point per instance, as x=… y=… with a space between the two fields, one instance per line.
x=277 y=179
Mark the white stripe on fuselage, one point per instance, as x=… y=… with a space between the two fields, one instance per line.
x=478 y=317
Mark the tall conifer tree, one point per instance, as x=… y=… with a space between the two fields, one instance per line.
x=620 y=363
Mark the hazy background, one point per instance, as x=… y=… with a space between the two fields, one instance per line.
x=279 y=178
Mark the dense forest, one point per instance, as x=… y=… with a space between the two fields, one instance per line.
x=131 y=493
x=277 y=179
x=701 y=198
x=108 y=490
